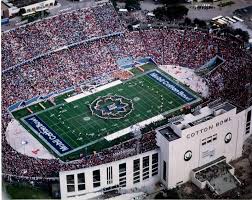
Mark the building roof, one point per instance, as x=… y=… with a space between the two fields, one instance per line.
x=173 y=129
x=4 y=6
x=168 y=133
x=23 y=3
x=202 y=115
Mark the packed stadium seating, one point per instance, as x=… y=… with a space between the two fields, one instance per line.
x=81 y=62
x=32 y=40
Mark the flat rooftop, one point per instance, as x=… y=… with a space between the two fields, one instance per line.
x=172 y=130
x=168 y=133
x=202 y=115
x=219 y=177
x=23 y=3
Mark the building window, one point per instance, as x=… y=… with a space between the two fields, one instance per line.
x=164 y=170
x=96 y=178
x=136 y=164
x=70 y=188
x=203 y=142
x=81 y=181
x=109 y=175
x=247 y=129
x=249 y=116
x=146 y=161
x=154 y=164
x=214 y=137
x=209 y=139
x=122 y=175
x=122 y=167
x=136 y=170
x=248 y=122
x=70 y=183
x=146 y=166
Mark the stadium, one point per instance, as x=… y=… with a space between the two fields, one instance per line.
x=99 y=108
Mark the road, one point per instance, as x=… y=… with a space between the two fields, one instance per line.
x=63 y=6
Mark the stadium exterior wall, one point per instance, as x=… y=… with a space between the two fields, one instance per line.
x=175 y=152
x=115 y=176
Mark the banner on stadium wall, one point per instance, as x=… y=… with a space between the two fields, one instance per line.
x=32 y=100
x=179 y=91
x=5 y=21
x=29 y=102
x=15 y=106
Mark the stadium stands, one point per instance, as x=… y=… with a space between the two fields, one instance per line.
x=75 y=65
x=32 y=40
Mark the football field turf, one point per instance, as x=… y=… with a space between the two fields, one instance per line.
x=77 y=127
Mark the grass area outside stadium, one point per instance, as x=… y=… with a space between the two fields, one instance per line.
x=74 y=123
x=25 y=191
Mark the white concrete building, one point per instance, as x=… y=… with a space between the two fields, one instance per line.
x=200 y=138
x=29 y=7
x=132 y=172
x=211 y=134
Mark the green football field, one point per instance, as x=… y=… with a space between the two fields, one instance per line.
x=77 y=126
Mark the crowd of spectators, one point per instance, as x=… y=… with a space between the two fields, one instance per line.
x=41 y=37
x=201 y=46
x=18 y=165
x=232 y=80
x=82 y=62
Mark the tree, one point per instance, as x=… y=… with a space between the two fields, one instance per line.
x=243 y=34
x=172 y=194
x=177 y=11
x=160 y=196
x=187 y=21
x=171 y=2
x=22 y=11
x=159 y=12
x=170 y=12
x=114 y=3
x=200 y=23
x=132 y=5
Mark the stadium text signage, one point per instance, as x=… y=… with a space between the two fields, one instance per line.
x=47 y=134
x=172 y=86
x=210 y=127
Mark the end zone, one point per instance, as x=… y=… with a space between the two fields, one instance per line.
x=51 y=138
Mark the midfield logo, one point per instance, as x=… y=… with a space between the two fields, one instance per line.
x=111 y=107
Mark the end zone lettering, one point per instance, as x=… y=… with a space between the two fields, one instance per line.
x=172 y=86
x=49 y=135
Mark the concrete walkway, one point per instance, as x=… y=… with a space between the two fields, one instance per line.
x=23 y=142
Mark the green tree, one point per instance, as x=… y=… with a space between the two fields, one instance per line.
x=172 y=2
x=160 y=196
x=200 y=23
x=187 y=21
x=159 y=12
x=243 y=34
x=114 y=3
x=170 y=12
x=132 y=4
